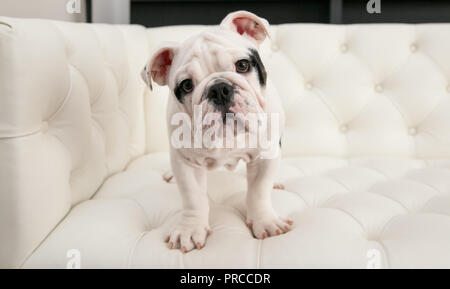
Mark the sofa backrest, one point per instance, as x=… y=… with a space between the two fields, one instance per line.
x=350 y=90
x=71 y=114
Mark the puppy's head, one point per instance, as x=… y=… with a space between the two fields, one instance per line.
x=219 y=69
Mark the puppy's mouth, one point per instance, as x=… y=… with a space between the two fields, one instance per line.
x=228 y=103
x=237 y=108
x=231 y=96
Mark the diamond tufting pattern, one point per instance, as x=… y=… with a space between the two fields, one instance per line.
x=366 y=164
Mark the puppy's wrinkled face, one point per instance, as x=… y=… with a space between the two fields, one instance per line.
x=219 y=70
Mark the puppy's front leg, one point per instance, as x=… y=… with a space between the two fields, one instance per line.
x=260 y=215
x=193 y=227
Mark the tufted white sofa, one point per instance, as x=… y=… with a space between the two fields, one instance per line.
x=366 y=164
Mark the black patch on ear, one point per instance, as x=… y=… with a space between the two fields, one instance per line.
x=179 y=93
x=257 y=63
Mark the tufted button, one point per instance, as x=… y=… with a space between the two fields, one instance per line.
x=69 y=50
x=343 y=128
x=413 y=47
x=344 y=48
x=412 y=131
x=379 y=87
x=44 y=126
x=309 y=85
x=275 y=47
x=68 y=47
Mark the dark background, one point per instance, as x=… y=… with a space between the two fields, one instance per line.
x=152 y=13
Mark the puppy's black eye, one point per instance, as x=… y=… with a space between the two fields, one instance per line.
x=187 y=85
x=242 y=65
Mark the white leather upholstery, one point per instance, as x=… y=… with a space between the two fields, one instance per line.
x=367 y=150
x=71 y=113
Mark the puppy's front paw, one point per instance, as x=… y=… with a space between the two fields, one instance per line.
x=190 y=232
x=268 y=224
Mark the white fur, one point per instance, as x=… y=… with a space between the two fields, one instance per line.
x=203 y=58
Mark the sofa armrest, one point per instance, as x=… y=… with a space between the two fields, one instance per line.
x=71 y=114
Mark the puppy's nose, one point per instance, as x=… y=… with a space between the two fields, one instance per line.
x=221 y=94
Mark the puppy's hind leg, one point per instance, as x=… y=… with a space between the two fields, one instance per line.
x=168 y=177
x=278 y=186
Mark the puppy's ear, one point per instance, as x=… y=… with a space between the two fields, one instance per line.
x=158 y=67
x=248 y=25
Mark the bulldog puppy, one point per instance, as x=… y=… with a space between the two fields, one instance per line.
x=219 y=71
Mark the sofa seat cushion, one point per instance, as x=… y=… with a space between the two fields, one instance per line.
x=360 y=212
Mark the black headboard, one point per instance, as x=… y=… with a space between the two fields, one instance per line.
x=152 y=13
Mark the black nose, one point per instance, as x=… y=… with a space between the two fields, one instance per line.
x=221 y=94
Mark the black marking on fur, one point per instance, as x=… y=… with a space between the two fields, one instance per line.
x=256 y=62
x=179 y=93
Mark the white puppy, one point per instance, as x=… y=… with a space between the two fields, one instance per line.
x=219 y=72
